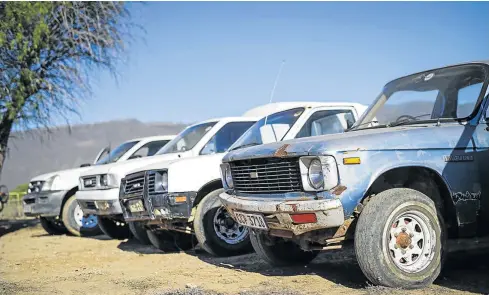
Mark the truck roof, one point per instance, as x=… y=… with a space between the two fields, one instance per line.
x=263 y=110
x=153 y=138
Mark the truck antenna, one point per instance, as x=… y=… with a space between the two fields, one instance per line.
x=275 y=86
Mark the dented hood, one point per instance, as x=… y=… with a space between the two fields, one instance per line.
x=420 y=136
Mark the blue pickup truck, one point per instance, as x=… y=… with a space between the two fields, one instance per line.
x=409 y=175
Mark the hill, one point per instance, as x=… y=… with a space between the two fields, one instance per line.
x=32 y=154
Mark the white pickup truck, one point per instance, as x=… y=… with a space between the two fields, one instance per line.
x=178 y=198
x=51 y=196
x=99 y=187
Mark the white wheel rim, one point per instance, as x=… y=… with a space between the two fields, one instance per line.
x=411 y=241
x=78 y=214
x=227 y=229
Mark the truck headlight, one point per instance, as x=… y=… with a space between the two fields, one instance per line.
x=161 y=181
x=318 y=173
x=51 y=183
x=315 y=174
x=226 y=176
x=108 y=181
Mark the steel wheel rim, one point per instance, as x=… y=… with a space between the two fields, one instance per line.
x=90 y=221
x=410 y=241
x=78 y=215
x=227 y=229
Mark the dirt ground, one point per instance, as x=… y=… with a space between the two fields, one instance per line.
x=32 y=262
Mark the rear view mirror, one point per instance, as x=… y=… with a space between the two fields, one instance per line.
x=85 y=165
x=273 y=132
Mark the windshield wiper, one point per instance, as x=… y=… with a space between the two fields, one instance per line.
x=245 y=145
x=407 y=120
x=355 y=127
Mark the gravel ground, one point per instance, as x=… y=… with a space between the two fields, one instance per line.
x=32 y=262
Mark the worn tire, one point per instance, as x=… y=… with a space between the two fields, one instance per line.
x=171 y=241
x=51 y=227
x=139 y=232
x=280 y=253
x=111 y=229
x=372 y=236
x=206 y=234
x=68 y=218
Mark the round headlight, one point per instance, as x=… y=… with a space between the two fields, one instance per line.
x=316 y=176
x=229 y=177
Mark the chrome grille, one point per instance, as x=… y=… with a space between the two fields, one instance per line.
x=134 y=184
x=35 y=186
x=273 y=175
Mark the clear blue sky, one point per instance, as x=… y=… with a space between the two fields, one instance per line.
x=202 y=60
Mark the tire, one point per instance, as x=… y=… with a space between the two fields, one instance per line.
x=52 y=227
x=113 y=228
x=74 y=226
x=169 y=241
x=139 y=232
x=380 y=240
x=279 y=252
x=232 y=239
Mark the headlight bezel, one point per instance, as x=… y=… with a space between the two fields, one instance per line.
x=102 y=181
x=226 y=176
x=329 y=172
x=50 y=183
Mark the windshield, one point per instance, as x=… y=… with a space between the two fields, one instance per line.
x=117 y=153
x=269 y=129
x=444 y=94
x=187 y=139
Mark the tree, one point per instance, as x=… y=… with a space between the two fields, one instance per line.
x=47 y=52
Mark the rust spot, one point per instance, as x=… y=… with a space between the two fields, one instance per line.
x=294 y=207
x=280 y=152
x=339 y=190
x=341 y=232
x=403 y=240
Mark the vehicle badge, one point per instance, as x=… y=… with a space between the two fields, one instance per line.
x=254 y=174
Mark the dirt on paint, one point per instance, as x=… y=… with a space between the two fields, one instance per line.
x=32 y=262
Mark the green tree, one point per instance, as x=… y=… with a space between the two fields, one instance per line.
x=47 y=52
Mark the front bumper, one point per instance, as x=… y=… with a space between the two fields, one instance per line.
x=166 y=206
x=99 y=202
x=44 y=203
x=329 y=212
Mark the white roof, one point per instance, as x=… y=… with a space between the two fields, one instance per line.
x=153 y=138
x=263 y=110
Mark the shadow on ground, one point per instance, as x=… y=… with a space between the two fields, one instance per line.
x=12 y=225
x=463 y=271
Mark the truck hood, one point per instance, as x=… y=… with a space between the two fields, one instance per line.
x=44 y=177
x=122 y=168
x=420 y=136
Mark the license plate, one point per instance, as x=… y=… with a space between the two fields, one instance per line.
x=136 y=206
x=251 y=220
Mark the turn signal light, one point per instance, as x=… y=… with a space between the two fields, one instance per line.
x=180 y=199
x=351 y=161
x=304 y=218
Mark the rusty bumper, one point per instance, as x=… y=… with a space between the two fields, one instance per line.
x=329 y=213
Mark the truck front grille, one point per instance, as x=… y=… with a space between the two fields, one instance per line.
x=134 y=184
x=151 y=182
x=269 y=175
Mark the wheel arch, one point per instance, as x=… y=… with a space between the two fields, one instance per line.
x=206 y=189
x=68 y=194
x=404 y=176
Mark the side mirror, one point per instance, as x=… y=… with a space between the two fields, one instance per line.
x=85 y=165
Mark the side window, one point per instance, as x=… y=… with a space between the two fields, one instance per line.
x=149 y=149
x=225 y=137
x=327 y=122
x=467 y=98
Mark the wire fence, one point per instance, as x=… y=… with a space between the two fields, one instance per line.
x=13 y=209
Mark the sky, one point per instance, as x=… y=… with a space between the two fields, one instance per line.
x=201 y=60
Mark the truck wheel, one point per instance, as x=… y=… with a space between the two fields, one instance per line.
x=400 y=239
x=52 y=226
x=216 y=230
x=279 y=252
x=169 y=241
x=113 y=228
x=75 y=222
x=139 y=232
